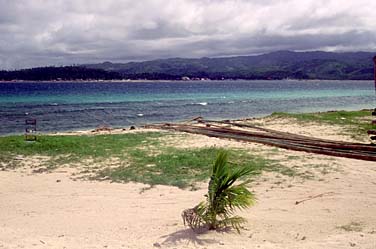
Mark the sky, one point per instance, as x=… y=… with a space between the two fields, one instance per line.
x=66 y=32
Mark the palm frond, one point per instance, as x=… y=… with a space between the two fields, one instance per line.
x=234 y=222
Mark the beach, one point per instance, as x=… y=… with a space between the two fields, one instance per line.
x=190 y=124
x=329 y=202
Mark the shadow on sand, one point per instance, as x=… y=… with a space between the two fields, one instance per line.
x=188 y=236
x=192 y=236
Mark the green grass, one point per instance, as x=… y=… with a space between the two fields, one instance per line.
x=355 y=122
x=141 y=157
x=98 y=146
x=67 y=149
x=179 y=167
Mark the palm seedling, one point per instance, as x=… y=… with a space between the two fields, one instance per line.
x=222 y=199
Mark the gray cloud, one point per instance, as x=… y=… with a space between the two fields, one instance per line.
x=63 y=32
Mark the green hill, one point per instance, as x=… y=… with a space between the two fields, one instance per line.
x=275 y=65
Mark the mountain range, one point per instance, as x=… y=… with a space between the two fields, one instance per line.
x=275 y=65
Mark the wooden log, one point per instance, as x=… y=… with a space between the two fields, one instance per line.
x=287 y=134
x=305 y=140
x=286 y=145
x=279 y=142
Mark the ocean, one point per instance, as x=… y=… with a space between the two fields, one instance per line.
x=70 y=106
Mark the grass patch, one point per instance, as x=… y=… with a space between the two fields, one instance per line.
x=98 y=145
x=138 y=157
x=67 y=149
x=179 y=167
x=355 y=122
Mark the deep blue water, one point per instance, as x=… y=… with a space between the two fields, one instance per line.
x=75 y=106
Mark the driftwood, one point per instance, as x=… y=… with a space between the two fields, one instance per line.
x=276 y=138
x=313 y=197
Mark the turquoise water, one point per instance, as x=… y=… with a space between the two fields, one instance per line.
x=74 y=106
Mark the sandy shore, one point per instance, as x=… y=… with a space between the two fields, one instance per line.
x=52 y=210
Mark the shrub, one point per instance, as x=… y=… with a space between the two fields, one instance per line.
x=223 y=198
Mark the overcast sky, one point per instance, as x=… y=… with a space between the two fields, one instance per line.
x=65 y=32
